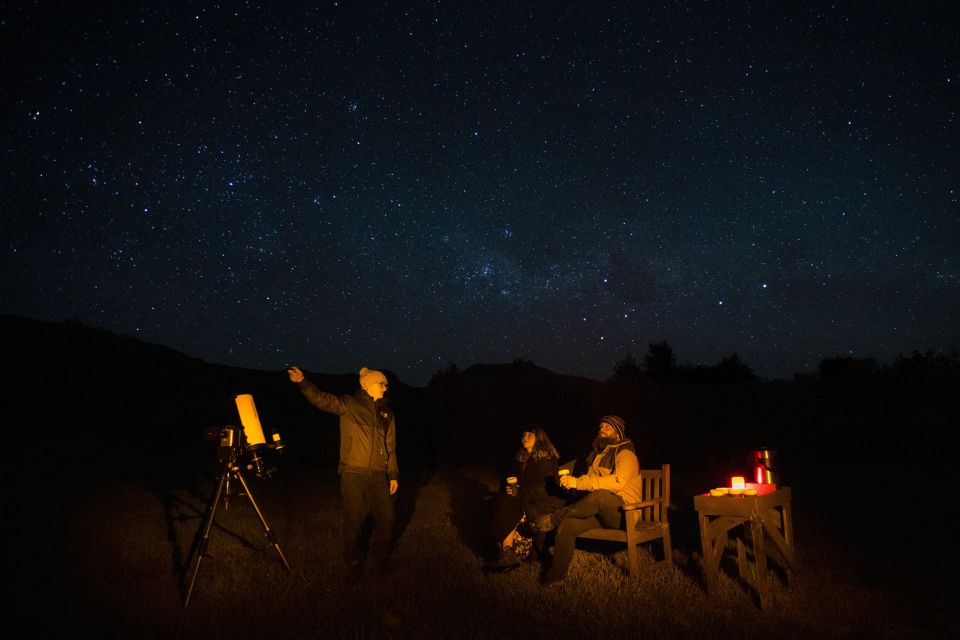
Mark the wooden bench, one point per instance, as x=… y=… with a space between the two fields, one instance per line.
x=645 y=521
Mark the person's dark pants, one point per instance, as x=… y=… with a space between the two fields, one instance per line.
x=363 y=493
x=596 y=509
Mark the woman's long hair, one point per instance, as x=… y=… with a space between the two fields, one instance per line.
x=542 y=449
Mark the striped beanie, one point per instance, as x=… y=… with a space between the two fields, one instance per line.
x=618 y=425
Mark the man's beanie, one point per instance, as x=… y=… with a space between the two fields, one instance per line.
x=370 y=376
x=618 y=425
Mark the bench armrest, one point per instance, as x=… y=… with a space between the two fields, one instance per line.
x=631 y=506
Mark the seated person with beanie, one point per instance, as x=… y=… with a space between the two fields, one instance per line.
x=612 y=479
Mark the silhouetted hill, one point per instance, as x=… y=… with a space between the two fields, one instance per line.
x=73 y=383
x=480 y=412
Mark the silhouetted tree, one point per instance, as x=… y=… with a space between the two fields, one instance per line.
x=847 y=367
x=445 y=374
x=732 y=369
x=627 y=366
x=924 y=362
x=659 y=361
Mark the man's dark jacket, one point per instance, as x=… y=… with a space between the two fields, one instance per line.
x=368 y=431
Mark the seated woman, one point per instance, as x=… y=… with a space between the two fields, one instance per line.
x=527 y=510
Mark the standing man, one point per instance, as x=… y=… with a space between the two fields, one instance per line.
x=612 y=479
x=368 y=463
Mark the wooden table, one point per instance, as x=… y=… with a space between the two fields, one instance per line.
x=767 y=515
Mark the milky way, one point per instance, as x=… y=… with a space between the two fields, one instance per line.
x=409 y=187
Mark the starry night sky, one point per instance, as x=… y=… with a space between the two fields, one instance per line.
x=410 y=185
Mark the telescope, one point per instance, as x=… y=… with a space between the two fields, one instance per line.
x=237 y=443
x=248 y=440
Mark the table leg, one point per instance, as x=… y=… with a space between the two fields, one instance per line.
x=741 y=557
x=780 y=529
x=788 y=539
x=710 y=567
x=760 y=560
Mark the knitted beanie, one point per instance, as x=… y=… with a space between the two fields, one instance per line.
x=371 y=376
x=618 y=425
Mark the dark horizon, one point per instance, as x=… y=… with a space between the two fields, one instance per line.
x=729 y=369
x=125 y=389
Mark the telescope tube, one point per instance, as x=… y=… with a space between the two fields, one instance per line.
x=250 y=420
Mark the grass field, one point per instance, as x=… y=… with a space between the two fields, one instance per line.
x=107 y=554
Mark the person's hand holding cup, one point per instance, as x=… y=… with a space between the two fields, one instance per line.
x=512 y=485
x=566 y=480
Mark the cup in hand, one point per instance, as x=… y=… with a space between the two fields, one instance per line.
x=512 y=485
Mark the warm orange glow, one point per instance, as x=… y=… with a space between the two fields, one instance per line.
x=250 y=420
x=737 y=482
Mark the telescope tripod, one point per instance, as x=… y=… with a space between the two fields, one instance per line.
x=230 y=471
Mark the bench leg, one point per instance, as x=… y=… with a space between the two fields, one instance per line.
x=667 y=547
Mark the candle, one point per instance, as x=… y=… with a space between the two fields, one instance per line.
x=736 y=482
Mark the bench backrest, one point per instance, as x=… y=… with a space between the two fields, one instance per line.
x=656 y=486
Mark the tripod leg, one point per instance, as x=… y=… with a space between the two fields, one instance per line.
x=207 y=524
x=226 y=493
x=263 y=521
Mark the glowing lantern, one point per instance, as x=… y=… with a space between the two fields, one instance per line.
x=737 y=482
